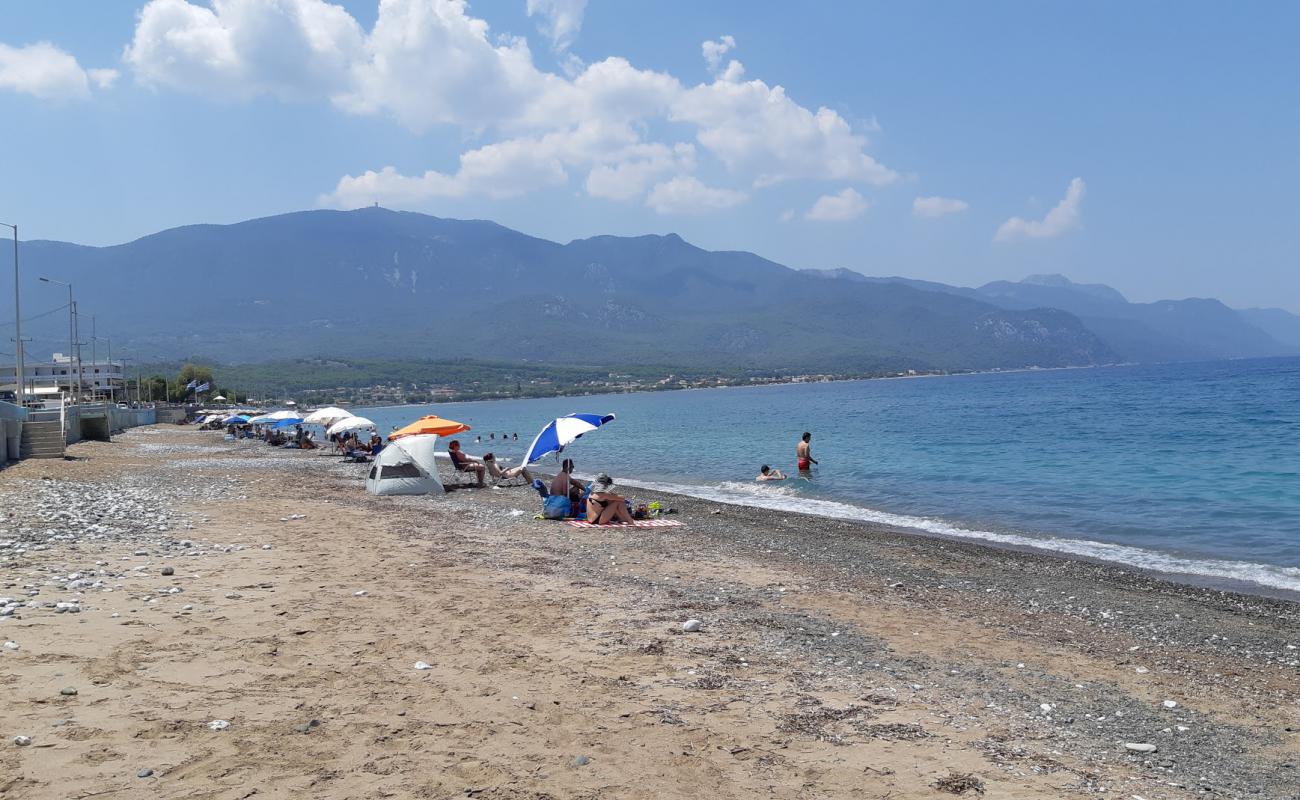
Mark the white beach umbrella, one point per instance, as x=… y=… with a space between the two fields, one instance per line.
x=350 y=424
x=326 y=416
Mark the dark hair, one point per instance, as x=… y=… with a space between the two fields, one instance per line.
x=453 y=443
x=567 y=466
x=806 y=436
x=764 y=469
x=488 y=457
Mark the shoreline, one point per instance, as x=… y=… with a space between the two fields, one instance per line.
x=835 y=658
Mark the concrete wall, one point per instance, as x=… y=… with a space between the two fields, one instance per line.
x=11 y=430
x=169 y=415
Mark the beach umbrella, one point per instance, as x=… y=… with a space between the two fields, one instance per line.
x=234 y=419
x=350 y=424
x=279 y=415
x=326 y=416
x=560 y=433
x=218 y=398
x=431 y=424
x=288 y=422
x=260 y=419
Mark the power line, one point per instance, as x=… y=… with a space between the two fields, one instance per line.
x=36 y=317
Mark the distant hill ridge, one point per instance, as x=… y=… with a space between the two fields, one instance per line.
x=379 y=283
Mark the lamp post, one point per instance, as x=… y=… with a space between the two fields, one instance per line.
x=72 y=332
x=19 y=372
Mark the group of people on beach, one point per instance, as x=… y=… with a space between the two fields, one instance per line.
x=803 y=461
x=596 y=501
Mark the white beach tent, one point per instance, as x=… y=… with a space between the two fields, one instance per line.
x=405 y=466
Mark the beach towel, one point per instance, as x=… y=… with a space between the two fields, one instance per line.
x=641 y=523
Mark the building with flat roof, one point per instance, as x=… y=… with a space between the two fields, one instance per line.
x=58 y=376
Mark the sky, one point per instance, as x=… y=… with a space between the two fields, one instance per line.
x=1150 y=146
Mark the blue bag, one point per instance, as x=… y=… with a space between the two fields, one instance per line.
x=556 y=507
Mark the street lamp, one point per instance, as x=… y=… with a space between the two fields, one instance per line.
x=19 y=373
x=72 y=335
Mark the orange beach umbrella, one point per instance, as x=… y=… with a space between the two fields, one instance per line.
x=430 y=424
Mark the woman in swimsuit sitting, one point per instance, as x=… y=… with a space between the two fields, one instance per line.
x=605 y=507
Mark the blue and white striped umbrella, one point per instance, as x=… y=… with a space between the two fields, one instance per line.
x=560 y=433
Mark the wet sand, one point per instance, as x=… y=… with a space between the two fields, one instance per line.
x=835 y=659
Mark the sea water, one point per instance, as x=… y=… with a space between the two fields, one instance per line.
x=1190 y=469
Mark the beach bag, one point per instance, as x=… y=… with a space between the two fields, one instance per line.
x=556 y=507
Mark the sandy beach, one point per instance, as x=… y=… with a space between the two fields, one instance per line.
x=169 y=581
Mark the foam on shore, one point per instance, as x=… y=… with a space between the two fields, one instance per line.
x=786 y=499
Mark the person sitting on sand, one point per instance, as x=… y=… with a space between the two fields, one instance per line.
x=564 y=482
x=603 y=506
x=494 y=469
x=464 y=463
x=766 y=473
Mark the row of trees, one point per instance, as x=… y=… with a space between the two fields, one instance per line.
x=157 y=387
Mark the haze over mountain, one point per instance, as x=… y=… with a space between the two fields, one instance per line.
x=378 y=283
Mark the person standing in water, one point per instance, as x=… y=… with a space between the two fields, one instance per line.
x=803 y=453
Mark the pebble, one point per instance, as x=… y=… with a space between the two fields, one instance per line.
x=422 y=665
x=692 y=626
x=144 y=773
x=11 y=645
x=168 y=571
x=1139 y=747
x=218 y=725
x=68 y=692
x=22 y=741
x=1170 y=704
x=361 y=593
x=266 y=547
x=581 y=761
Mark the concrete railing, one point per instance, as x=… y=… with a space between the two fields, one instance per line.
x=12 y=418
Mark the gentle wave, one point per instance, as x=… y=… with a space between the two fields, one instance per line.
x=784 y=498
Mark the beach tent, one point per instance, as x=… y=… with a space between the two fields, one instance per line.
x=432 y=424
x=326 y=416
x=348 y=424
x=406 y=466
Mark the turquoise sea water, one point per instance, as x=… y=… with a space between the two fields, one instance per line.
x=1188 y=468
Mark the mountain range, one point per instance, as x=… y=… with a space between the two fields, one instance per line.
x=378 y=283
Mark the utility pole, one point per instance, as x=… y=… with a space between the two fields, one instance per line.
x=94 y=358
x=19 y=368
x=72 y=327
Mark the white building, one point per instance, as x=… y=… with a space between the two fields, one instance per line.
x=59 y=376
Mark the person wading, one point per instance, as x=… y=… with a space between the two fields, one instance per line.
x=803 y=454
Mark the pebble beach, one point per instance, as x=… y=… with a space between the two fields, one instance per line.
x=183 y=616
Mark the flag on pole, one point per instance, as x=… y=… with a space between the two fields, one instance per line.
x=191 y=384
x=202 y=387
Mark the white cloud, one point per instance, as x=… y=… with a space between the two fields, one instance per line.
x=841 y=207
x=757 y=129
x=291 y=49
x=48 y=73
x=787 y=215
x=103 y=78
x=714 y=51
x=1061 y=219
x=934 y=207
x=686 y=194
x=428 y=63
x=561 y=20
x=628 y=178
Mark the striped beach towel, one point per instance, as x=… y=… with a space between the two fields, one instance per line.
x=641 y=523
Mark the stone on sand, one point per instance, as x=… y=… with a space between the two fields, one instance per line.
x=692 y=626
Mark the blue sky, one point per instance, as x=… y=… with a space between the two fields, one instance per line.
x=1150 y=146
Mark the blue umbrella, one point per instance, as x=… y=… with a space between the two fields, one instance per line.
x=236 y=419
x=559 y=433
x=288 y=422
